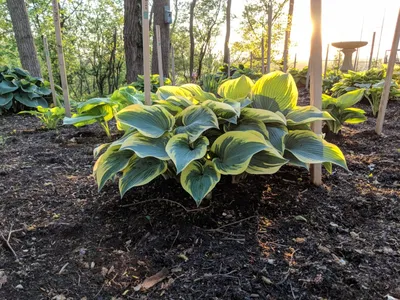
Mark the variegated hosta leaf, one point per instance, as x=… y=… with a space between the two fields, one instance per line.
x=353 y=115
x=196 y=120
x=294 y=161
x=99 y=149
x=279 y=90
x=222 y=110
x=197 y=93
x=249 y=124
x=350 y=98
x=182 y=151
x=236 y=89
x=327 y=101
x=140 y=171
x=145 y=146
x=276 y=136
x=268 y=161
x=310 y=148
x=306 y=114
x=151 y=121
x=166 y=91
x=262 y=115
x=170 y=107
x=179 y=101
x=198 y=180
x=328 y=167
x=109 y=164
x=234 y=149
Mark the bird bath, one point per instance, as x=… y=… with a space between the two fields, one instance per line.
x=348 y=48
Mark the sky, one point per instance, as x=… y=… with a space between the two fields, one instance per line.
x=342 y=20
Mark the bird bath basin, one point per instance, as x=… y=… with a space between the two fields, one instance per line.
x=348 y=49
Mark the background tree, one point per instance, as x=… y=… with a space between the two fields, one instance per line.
x=228 y=31
x=133 y=41
x=23 y=36
x=287 y=36
x=158 y=9
x=191 y=34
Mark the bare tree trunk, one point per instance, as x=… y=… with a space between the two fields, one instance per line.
x=287 y=36
x=23 y=36
x=228 y=32
x=133 y=43
x=191 y=58
x=158 y=6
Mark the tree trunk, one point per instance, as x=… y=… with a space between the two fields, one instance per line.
x=133 y=42
x=191 y=58
x=158 y=6
x=23 y=36
x=228 y=32
x=287 y=36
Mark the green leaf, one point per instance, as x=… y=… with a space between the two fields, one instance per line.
x=110 y=163
x=236 y=89
x=197 y=93
x=249 y=124
x=277 y=136
x=166 y=91
x=306 y=114
x=7 y=87
x=262 y=115
x=294 y=161
x=140 y=171
x=277 y=87
x=234 y=149
x=268 y=161
x=350 y=98
x=151 y=121
x=81 y=120
x=198 y=180
x=353 y=115
x=26 y=100
x=196 y=120
x=145 y=146
x=99 y=149
x=6 y=98
x=311 y=148
x=182 y=151
x=222 y=110
x=327 y=101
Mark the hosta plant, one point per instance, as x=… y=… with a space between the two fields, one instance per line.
x=373 y=92
x=50 y=117
x=20 y=90
x=342 y=111
x=154 y=83
x=197 y=137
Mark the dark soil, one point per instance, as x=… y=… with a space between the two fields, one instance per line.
x=269 y=237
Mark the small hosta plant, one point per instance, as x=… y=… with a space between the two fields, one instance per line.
x=197 y=137
x=20 y=90
x=50 y=117
x=342 y=111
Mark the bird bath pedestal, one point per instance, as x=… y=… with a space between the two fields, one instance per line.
x=348 y=48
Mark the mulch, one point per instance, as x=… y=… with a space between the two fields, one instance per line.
x=267 y=237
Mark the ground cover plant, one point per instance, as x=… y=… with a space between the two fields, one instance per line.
x=191 y=134
x=19 y=90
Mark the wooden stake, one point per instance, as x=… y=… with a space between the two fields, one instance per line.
x=48 y=63
x=146 y=51
x=356 y=60
x=388 y=79
x=326 y=61
x=295 y=61
x=269 y=37
x=308 y=75
x=262 y=55
x=159 y=55
x=316 y=79
x=61 y=62
x=251 y=60
x=229 y=62
x=372 y=51
x=173 y=65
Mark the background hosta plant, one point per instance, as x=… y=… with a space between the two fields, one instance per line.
x=50 y=117
x=342 y=111
x=198 y=137
x=19 y=90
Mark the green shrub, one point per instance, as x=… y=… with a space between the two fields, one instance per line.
x=19 y=90
x=190 y=134
x=299 y=76
x=50 y=117
x=342 y=111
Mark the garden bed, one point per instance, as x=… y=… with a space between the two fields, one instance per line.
x=268 y=237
